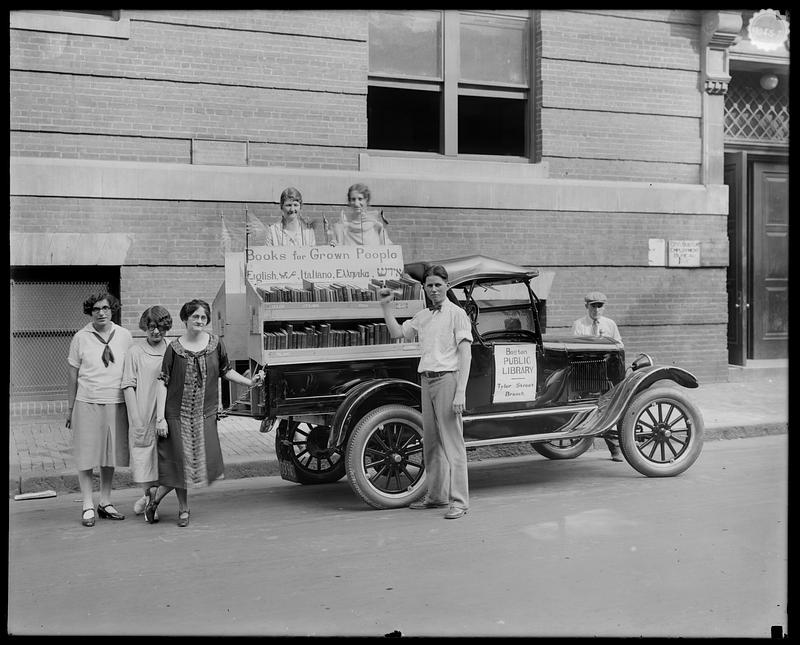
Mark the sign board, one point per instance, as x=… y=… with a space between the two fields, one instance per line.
x=656 y=252
x=514 y=373
x=290 y=265
x=683 y=253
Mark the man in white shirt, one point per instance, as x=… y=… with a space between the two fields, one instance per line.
x=594 y=323
x=445 y=335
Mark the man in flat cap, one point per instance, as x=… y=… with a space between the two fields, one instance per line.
x=594 y=323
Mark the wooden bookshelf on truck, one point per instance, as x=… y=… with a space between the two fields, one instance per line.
x=321 y=304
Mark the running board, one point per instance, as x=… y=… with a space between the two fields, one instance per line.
x=567 y=431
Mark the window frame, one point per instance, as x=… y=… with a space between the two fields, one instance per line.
x=450 y=88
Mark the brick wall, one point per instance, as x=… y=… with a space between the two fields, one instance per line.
x=617 y=94
x=101 y=147
x=620 y=97
x=542 y=239
x=170 y=287
x=296 y=94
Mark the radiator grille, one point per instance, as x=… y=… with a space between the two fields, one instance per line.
x=588 y=379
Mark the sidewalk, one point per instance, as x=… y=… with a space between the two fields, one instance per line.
x=40 y=447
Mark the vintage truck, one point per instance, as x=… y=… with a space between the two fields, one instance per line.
x=355 y=410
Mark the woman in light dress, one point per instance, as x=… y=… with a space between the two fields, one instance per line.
x=139 y=386
x=357 y=225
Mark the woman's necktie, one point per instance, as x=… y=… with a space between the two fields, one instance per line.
x=108 y=356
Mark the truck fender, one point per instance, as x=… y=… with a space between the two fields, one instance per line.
x=612 y=404
x=366 y=396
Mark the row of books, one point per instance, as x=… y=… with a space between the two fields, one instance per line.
x=404 y=288
x=293 y=336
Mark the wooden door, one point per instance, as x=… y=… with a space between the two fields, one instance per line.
x=735 y=178
x=769 y=311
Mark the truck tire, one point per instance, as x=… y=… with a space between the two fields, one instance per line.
x=563 y=448
x=384 y=460
x=661 y=432
x=305 y=446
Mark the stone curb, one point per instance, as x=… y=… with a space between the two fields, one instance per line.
x=268 y=465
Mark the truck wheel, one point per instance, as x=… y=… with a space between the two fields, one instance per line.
x=384 y=457
x=307 y=450
x=661 y=432
x=564 y=448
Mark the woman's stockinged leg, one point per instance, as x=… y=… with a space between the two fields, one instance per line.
x=106 y=481
x=162 y=491
x=183 y=506
x=183 y=499
x=86 y=485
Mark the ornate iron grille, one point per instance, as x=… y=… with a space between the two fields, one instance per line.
x=588 y=379
x=44 y=317
x=754 y=114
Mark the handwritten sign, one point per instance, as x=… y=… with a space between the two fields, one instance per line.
x=684 y=253
x=514 y=373
x=290 y=265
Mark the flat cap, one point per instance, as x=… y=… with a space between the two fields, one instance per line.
x=595 y=296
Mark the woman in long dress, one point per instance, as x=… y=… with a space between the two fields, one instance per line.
x=139 y=386
x=189 y=453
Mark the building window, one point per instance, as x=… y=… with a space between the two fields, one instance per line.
x=756 y=115
x=450 y=82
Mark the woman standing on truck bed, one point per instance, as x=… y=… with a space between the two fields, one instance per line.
x=293 y=229
x=358 y=226
x=189 y=454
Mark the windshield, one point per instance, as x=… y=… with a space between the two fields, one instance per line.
x=501 y=307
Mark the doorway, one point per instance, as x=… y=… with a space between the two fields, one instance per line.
x=758 y=267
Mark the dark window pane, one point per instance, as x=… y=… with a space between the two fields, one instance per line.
x=400 y=119
x=491 y=126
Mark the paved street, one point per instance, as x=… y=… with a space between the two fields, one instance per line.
x=579 y=548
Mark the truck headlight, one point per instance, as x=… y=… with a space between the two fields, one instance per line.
x=642 y=360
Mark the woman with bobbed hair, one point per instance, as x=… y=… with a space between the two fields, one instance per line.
x=189 y=454
x=139 y=386
x=97 y=413
x=358 y=225
x=293 y=229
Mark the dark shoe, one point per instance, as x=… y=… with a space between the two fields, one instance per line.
x=455 y=513
x=424 y=503
x=88 y=521
x=616 y=455
x=151 y=511
x=183 y=518
x=109 y=515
